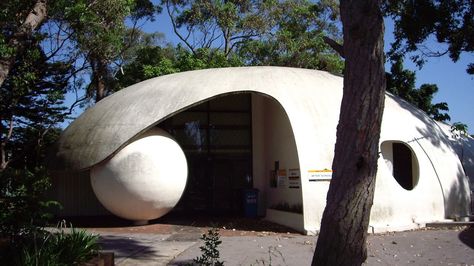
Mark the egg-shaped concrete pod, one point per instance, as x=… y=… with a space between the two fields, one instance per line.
x=144 y=180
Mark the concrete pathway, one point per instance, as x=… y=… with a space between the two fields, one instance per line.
x=144 y=249
x=422 y=247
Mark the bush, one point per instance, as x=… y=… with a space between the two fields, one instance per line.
x=23 y=203
x=60 y=248
x=24 y=211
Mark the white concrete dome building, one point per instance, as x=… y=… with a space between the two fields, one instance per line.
x=273 y=129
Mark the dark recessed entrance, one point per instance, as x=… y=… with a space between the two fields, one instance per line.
x=216 y=137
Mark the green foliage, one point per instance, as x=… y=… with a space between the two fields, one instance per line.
x=60 y=248
x=210 y=253
x=459 y=129
x=288 y=33
x=447 y=22
x=34 y=91
x=153 y=61
x=296 y=39
x=222 y=24
x=31 y=104
x=401 y=82
x=98 y=25
x=99 y=32
x=75 y=246
x=283 y=33
x=23 y=202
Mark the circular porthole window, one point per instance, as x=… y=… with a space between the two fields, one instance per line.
x=401 y=162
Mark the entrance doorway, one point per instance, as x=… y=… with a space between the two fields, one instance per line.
x=216 y=137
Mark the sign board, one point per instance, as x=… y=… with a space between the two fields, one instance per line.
x=282 y=178
x=319 y=175
x=294 y=178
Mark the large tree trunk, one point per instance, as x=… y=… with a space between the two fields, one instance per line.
x=342 y=239
x=33 y=20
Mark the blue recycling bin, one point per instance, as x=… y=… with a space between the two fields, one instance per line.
x=250 y=202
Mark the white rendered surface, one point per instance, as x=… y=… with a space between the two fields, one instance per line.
x=311 y=100
x=144 y=180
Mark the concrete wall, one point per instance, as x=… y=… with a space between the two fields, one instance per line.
x=74 y=191
x=273 y=140
x=441 y=189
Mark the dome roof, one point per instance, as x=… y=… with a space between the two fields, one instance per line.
x=113 y=122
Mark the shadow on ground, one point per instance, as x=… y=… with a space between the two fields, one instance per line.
x=181 y=262
x=467 y=236
x=223 y=221
x=182 y=222
x=125 y=246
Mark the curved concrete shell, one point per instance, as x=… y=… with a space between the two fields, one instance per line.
x=311 y=101
x=109 y=125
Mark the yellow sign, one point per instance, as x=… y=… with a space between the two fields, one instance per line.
x=319 y=175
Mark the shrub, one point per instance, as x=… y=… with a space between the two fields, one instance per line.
x=60 y=248
x=24 y=211
x=210 y=253
x=23 y=203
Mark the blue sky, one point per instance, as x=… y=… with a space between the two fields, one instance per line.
x=456 y=87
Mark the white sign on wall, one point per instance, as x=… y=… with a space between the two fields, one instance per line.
x=294 y=178
x=319 y=175
x=282 y=178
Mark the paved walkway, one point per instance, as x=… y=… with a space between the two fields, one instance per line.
x=181 y=244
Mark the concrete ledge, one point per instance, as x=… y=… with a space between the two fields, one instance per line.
x=449 y=224
x=289 y=219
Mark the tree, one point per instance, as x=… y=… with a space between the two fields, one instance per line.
x=447 y=22
x=31 y=100
x=153 y=61
x=100 y=33
x=401 y=82
x=219 y=24
x=18 y=22
x=31 y=105
x=298 y=37
x=342 y=239
x=32 y=86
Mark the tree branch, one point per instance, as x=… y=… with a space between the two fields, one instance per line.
x=334 y=45
x=175 y=29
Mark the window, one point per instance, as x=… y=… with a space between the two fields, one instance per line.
x=401 y=162
x=216 y=137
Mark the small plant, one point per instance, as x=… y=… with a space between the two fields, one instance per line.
x=61 y=248
x=210 y=253
x=75 y=246
x=272 y=252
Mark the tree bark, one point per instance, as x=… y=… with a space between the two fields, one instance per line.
x=33 y=20
x=100 y=74
x=343 y=234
